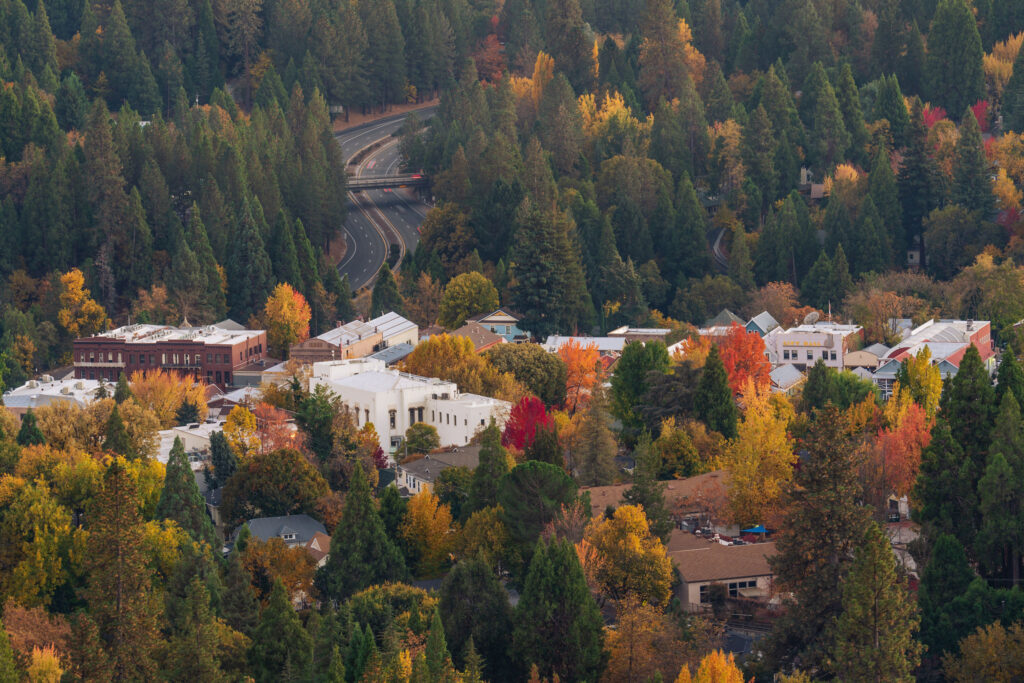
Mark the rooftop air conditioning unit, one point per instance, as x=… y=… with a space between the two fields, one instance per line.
x=32 y=384
x=65 y=390
x=46 y=378
x=79 y=385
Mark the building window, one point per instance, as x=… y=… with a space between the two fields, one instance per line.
x=288 y=537
x=175 y=358
x=150 y=359
x=832 y=355
x=119 y=357
x=432 y=418
x=785 y=354
x=92 y=356
x=810 y=355
x=366 y=412
x=392 y=418
x=481 y=422
x=163 y=359
x=186 y=359
x=736 y=586
x=704 y=598
x=447 y=418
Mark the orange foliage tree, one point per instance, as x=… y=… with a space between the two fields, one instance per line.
x=286 y=316
x=742 y=354
x=583 y=364
x=163 y=393
x=272 y=428
x=895 y=456
x=273 y=559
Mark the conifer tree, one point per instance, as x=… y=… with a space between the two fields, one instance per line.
x=119 y=591
x=912 y=65
x=279 y=642
x=945 y=578
x=885 y=195
x=386 y=297
x=875 y=634
x=439 y=661
x=1013 y=96
x=647 y=491
x=955 y=78
x=968 y=405
x=493 y=465
x=8 y=670
x=713 y=401
x=1010 y=377
x=212 y=291
x=222 y=459
x=842 y=283
x=816 y=288
x=29 y=433
x=239 y=606
x=945 y=487
x=475 y=609
x=370 y=557
x=595 y=445
x=557 y=624
x=249 y=271
x=890 y=105
x=116 y=436
x=758 y=155
x=122 y=392
x=829 y=137
x=565 y=33
x=875 y=253
x=972 y=184
x=335 y=667
x=848 y=97
x=192 y=652
x=281 y=245
x=1000 y=541
x=181 y=501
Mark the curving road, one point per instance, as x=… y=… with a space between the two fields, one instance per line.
x=376 y=213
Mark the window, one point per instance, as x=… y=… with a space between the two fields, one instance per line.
x=209 y=358
x=186 y=359
x=785 y=354
x=163 y=359
x=366 y=412
x=465 y=423
x=447 y=418
x=150 y=359
x=92 y=356
x=131 y=359
x=175 y=358
x=704 y=594
x=288 y=536
x=432 y=418
x=392 y=418
x=810 y=355
x=119 y=357
x=110 y=356
x=832 y=355
x=481 y=422
x=736 y=586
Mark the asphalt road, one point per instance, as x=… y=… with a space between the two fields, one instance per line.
x=366 y=247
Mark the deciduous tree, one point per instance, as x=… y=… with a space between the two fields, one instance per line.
x=630 y=559
x=526 y=418
x=427 y=531
x=743 y=355
x=583 y=371
x=281 y=482
x=465 y=295
x=544 y=374
x=286 y=315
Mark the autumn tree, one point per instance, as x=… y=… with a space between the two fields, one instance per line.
x=743 y=355
x=465 y=295
x=594 y=446
x=79 y=314
x=427 y=532
x=715 y=667
x=544 y=374
x=524 y=420
x=163 y=393
x=286 y=316
x=271 y=484
x=630 y=560
x=241 y=431
x=875 y=633
x=583 y=371
x=991 y=653
x=455 y=360
x=666 y=56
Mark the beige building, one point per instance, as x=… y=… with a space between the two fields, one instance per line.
x=351 y=340
x=742 y=569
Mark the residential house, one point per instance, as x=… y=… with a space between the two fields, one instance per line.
x=606 y=346
x=294 y=530
x=640 y=334
x=762 y=323
x=695 y=502
x=806 y=344
x=46 y=390
x=725 y=318
x=786 y=379
x=320 y=548
x=503 y=322
x=195 y=438
x=394 y=401
x=701 y=562
x=481 y=337
x=420 y=474
x=946 y=340
x=869 y=357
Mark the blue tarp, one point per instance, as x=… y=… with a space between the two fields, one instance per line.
x=759 y=529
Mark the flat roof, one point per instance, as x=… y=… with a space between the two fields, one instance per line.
x=554 y=342
x=35 y=393
x=155 y=334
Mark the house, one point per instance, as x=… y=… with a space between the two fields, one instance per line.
x=503 y=322
x=209 y=354
x=785 y=379
x=320 y=548
x=351 y=340
x=46 y=390
x=481 y=337
x=806 y=344
x=946 y=340
x=420 y=474
x=725 y=318
x=294 y=530
x=195 y=438
x=394 y=401
x=742 y=569
x=220 y=405
x=762 y=323
x=640 y=334
x=695 y=502
x=868 y=358
x=606 y=346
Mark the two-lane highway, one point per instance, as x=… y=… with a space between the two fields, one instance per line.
x=367 y=247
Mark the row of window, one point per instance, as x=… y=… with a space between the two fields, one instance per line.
x=795 y=355
x=734 y=589
x=175 y=358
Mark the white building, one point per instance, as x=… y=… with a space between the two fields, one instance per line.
x=195 y=438
x=804 y=345
x=393 y=401
x=606 y=346
x=47 y=391
x=395 y=330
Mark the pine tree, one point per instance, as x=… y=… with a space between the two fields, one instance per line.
x=222 y=459
x=875 y=253
x=647 y=491
x=595 y=446
x=475 y=609
x=187 y=413
x=181 y=501
x=954 y=73
x=758 y=155
x=687 y=248
x=972 y=183
x=890 y=105
x=250 y=278
x=191 y=657
x=875 y=634
x=8 y=670
x=823 y=524
x=119 y=591
x=282 y=246
x=122 y=392
x=29 y=433
x=335 y=667
x=279 y=642
x=968 y=405
x=848 y=97
x=557 y=624
x=1013 y=96
x=945 y=578
x=493 y=465
x=199 y=241
x=713 y=401
x=912 y=65
x=829 y=136
x=116 y=438
x=565 y=33
x=1010 y=377
x=239 y=605
x=1000 y=541
x=946 y=486
x=370 y=557
x=386 y=297
x=439 y=662
x=842 y=283
x=885 y=195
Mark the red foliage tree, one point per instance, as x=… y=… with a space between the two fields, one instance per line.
x=743 y=355
x=932 y=115
x=900 y=449
x=490 y=61
x=273 y=429
x=523 y=421
x=980 y=110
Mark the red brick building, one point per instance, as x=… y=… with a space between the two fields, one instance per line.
x=210 y=354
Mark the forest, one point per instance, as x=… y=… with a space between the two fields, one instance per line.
x=594 y=163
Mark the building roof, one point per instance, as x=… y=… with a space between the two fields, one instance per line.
x=319 y=546
x=502 y=316
x=429 y=466
x=717 y=562
x=785 y=376
x=878 y=350
x=392 y=354
x=349 y=333
x=604 y=344
x=627 y=331
x=229 y=324
x=724 y=318
x=303 y=526
x=765 y=321
x=46 y=390
x=391 y=324
x=481 y=337
x=682 y=494
x=825 y=327
x=154 y=334
x=378 y=381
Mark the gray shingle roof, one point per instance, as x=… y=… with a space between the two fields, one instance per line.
x=303 y=526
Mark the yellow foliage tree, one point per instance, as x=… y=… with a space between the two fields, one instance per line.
x=1008 y=194
x=286 y=316
x=643 y=643
x=427 y=529
x=241 y=431
x=716 y=667
x=79 y=314
x=759 y=460
x=631 y=561
x=163 y=393
x=543 y=72
x=484 y=536
x=924 y=381
x=454 y=359
x=44 y=666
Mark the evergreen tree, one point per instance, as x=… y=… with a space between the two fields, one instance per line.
x=1013 y=96
x=945 y=487
x=29 y=433
x=848 y=97
x=475 y=609
x=713 y=401
x=945 y=578
x=816 y=288
x=874 y=635
x=595 y=444
x=8 y=670
x=972 y=175
x=890 y=105
x=370 y=557
x=279 y=642
x=392 y=511
x=823 y=524
x=212 y=291
x=116 y=437
x=888 y=42
x=875 y=253
x=758 y=156
x=439 y=662
x=919 y=181
x=222 y=459
x=281 y=245
x=647 y=491
x=239 y=606
x=119 y=591
x=386 y=297
x=884 y=193
x=829 y=137
x=545 y=447
x=842 y=283
x=565 y=34
x=557 y=624
x=122 y=392
x=1010 y=378
x=187 y=413
x=181 y=501
x=954 y=73
x=912 y=65
x=250 y=278
x=968 y=405
x=493 y=465
x=1000 y=539
x=191 y=656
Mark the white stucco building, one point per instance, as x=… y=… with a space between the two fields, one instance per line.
x=393 y=401
x=45 y=391
x=804 y=345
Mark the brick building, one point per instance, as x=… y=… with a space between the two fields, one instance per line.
x=210 y=354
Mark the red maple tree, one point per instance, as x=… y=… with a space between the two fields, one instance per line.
x=523 y=421
x=743 y=356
